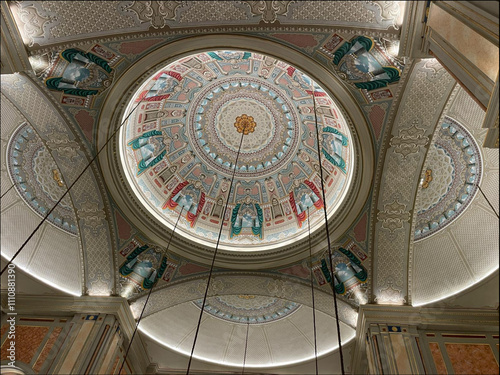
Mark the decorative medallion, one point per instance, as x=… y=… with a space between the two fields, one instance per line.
x=245 y=124
x=38 y=179
x=248 y=308
x=455 y=162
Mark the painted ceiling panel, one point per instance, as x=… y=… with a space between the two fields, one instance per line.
x=49 y=22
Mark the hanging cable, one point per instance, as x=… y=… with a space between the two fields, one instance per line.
x=312 y=293
x=149 y=295
x=215 y=254
x=1 y=196
x=487 y=200
x=245 y=353
x=327 y=232
x=73 y=183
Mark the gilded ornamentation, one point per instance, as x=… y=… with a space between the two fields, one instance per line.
x=427 y=179
x=57 y=177
x=245 y=124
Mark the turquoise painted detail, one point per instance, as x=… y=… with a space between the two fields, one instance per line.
x=147 y=283
x=53 y=84
x=340 y=163
x=125 y=269
x=235 y=230
x=367 y=43
x=339 y=287
x=394 y=76
x=256 y=230
x=136 y=144
x=361 y=275
x=70 y=54
x=329 y=129
x=214 y=56
x=143 y=166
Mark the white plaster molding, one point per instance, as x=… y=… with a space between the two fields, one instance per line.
x=14 y=57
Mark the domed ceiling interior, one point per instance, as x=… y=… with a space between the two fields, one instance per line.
x=181 y=144
x=401 y=155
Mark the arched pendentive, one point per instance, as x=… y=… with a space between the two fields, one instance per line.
x=256 y=283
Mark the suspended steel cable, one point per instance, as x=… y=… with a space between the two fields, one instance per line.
x=215 y=255
x=312 y=293
x=1 y=196
x=245 y=353
x=487 y=200
x=73 y=184
x=149 y=295
x=327 y=232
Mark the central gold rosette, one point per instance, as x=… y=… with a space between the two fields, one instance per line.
x=245 y=124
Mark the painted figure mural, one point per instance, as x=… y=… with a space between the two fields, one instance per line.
x=79 y=73
x=359 y=65
x=150 y=149
x=247 y=217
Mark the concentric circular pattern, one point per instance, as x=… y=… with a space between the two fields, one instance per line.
x=38 y=179
x=216 y=139
x=455 y=164
x=248 y=308
x=180 y=146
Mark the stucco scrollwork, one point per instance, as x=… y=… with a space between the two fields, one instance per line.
x=409 y=140
x=393 y=216
x=269 y=10
x=36 y=22
x=154 y=12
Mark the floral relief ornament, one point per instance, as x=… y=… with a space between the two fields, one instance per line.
x=36 y=23
x=390 y=295
x=410 y=140
x=394 y=216
x=155 y=12
x=269 y=10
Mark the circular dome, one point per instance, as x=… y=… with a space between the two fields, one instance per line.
x=179 y=149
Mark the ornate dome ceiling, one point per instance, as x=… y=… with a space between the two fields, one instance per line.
x=180 y=145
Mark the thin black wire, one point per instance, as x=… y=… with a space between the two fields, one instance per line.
x=72 y=184
x=487 y=200
x=245 y=355
x=213 y=259
x=1 y=196
x=312 y=293
x=328 y=235
x=147 y=299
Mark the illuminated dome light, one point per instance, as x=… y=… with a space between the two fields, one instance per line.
x=287 y=340
x=179 y=147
